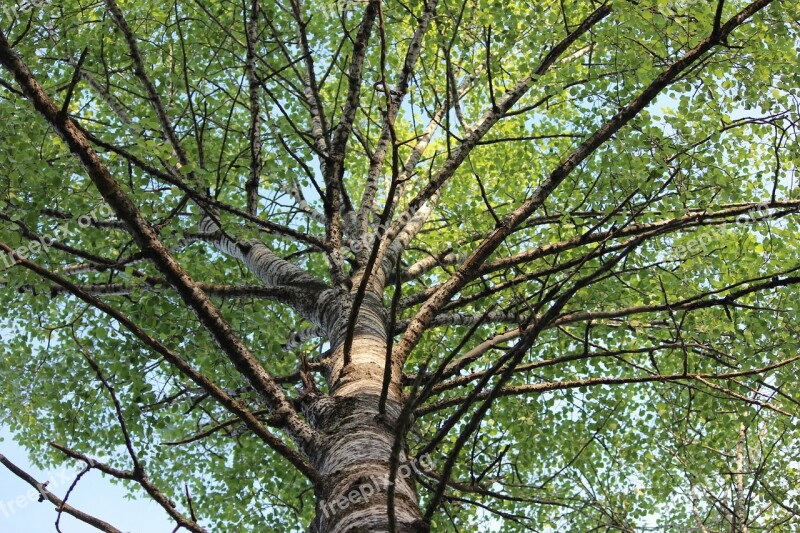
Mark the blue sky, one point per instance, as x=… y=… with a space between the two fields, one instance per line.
x=94 y=494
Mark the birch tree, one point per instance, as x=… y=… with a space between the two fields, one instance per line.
x=441 y=265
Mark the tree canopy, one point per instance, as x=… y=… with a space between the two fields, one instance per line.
x=374 y=265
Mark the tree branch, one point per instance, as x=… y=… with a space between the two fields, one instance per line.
x=45 y=494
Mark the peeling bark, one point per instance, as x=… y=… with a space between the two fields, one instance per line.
x=356 y=439
x=354 y=464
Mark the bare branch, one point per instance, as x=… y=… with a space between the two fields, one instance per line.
x=251 y=187
x=45 y=494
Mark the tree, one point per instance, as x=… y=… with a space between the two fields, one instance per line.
x=387 y=266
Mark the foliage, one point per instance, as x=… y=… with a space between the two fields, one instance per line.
x=654 y=255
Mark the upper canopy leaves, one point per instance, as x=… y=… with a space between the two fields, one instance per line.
x=615 y=183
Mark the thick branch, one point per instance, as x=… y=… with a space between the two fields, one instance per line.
x=149 y=242
x=313 y=298
x=518 y=390
x=251 y=187
x=177 y=361
x=393 y=104
x=55 y=500
x=603 y=134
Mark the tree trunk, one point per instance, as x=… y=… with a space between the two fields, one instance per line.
x=354 y=459
x=355 y=467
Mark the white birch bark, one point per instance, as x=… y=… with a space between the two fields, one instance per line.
x=355 y=457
